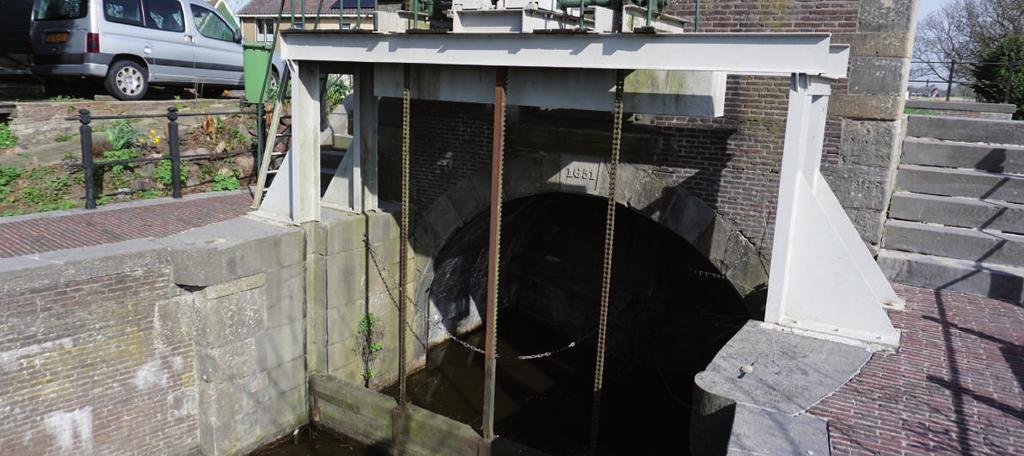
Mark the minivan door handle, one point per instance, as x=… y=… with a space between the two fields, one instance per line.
x=189 y=39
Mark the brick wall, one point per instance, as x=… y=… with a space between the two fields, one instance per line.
x=731 y=162
x=86 y=367
x=140 y=348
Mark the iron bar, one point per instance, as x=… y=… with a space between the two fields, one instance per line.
x=696 y=17
x=606 y=272
x=494 y=254
x=85 y=132
x=403 y=246
x=172 y=141
x=949 y=80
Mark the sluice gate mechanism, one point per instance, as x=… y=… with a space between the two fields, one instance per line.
x=603 y=56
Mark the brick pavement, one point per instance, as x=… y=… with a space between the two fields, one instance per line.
x=80 y=228
x=954 y=387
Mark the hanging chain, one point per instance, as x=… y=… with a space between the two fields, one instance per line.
x=403 y=248
x=606 y=272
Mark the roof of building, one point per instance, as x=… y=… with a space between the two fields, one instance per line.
x=327 y=7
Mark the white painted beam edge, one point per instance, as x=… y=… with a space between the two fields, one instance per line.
x=737 y=53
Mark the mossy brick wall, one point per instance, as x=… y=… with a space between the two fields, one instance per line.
x=89 y=366
x=733 y=161
x=191 y=344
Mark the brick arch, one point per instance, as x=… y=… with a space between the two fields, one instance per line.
x=656 y=195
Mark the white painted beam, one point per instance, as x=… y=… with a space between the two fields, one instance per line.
x=737 y=53
x=680 y=93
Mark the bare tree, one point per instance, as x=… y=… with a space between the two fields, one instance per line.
x=942 y=36
x=958 y=31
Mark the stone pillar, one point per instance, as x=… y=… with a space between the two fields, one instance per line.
x=871 y=113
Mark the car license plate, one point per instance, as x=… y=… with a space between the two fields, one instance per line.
x=60 y=37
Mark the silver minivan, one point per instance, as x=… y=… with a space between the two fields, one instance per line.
x=131 y=44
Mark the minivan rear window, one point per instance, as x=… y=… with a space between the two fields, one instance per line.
x=58 y=10
x=123 y=11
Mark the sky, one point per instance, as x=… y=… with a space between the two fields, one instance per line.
x=926 y=6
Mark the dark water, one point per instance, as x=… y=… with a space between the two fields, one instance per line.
x=666 y=322
x=314 y=442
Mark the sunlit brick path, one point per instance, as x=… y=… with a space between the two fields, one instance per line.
x=954 y=387
x=145 y=219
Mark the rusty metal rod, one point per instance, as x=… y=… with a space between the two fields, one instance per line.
x=494 y=254
x=403 y=246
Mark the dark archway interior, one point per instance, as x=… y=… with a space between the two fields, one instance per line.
x=667 y=321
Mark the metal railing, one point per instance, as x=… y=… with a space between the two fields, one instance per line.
x=89 y=165
x=957 y=72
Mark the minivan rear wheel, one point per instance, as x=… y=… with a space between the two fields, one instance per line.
x=127 y=80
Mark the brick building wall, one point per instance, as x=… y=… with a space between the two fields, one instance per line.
x=86 y=369
x=190 y=344
x=732 y=162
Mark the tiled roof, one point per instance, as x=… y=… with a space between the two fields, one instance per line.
x=328 y=7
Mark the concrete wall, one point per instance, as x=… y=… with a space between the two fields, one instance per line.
x=191 y=344
x=361 y=285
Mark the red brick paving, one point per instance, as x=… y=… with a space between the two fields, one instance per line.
x=84 y=229
x=954 y=387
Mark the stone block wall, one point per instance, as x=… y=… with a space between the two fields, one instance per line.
x=360 y=303
x=187 y=345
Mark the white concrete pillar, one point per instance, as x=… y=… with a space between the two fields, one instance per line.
x=304 y=159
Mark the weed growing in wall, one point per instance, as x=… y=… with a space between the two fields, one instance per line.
x=370 y=335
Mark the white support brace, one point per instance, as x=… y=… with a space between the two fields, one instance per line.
x=354 y=184
x=823 y=279
x=295 y=193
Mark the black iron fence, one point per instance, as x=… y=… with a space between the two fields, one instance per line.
x=89 y=165
x=952 y=73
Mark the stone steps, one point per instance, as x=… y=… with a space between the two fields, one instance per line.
x=960 y=182
x=985 y=246
x=984 y=157
x=991 y=131
x=957 y=211
x=928 y=271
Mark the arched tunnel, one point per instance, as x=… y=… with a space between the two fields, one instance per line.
x=669 y=314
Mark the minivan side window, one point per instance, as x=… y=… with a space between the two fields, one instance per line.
x=211 y=26
x=59 y=10
x=123 y=11
x=164 y=15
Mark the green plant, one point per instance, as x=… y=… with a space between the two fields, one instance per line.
x=7 y=138
x=162 y=173
x=337 y=89
x=370 y=346
x=206 y=172
x=105 y=199
x=63 y=98
x=121 y=134
x=46 y=189
x=1001 y=78
x=150 y=194
x=62 y=137
x=178 y=104
x=225 y=182
x=120 y=154
x=8 y=175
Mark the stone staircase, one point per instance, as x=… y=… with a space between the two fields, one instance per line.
x=956 y=220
